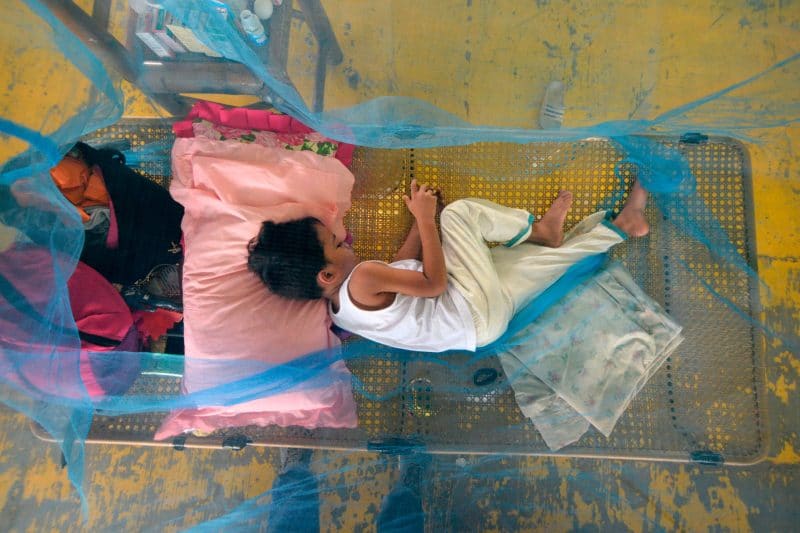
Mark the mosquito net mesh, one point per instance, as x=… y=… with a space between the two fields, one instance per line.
x=654 y=348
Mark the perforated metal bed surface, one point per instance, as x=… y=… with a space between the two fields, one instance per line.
x=705 y=403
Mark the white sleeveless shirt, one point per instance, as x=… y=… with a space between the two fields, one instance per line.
x=411 y=322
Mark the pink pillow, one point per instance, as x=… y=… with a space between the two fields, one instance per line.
x=227 y=190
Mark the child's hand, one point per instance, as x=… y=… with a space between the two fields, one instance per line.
x=423 y=201
x=439 y=201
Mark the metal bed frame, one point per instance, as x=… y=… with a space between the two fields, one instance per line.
x=704 y=405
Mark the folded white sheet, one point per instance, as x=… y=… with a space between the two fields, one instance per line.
x=584 y=360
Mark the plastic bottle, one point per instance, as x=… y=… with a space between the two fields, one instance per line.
x=253 y=27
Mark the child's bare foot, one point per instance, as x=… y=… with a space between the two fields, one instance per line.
x=631 y=219
x=549 y=230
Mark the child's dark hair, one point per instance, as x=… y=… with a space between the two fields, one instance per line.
x=287 y=256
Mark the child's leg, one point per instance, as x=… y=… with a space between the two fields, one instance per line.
x=549 y=230
x=467 y=225
x=527 y=270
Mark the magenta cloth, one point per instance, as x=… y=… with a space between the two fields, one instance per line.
x=112 y=239
x=227 y=190
x=64 y=368
x=97 y=307
x=100 y=310
x=251 y=119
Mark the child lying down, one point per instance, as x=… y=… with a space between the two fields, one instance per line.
x=438 y=295
x=580 y=363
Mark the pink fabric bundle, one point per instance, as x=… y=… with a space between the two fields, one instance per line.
x=227 y=190
x=254 y=120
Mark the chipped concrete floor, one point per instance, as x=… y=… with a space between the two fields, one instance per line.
x=142 y=488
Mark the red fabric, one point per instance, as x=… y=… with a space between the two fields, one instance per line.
x=153 y=324
x=251 y=119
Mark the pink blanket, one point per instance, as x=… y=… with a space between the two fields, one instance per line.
x=228 y=189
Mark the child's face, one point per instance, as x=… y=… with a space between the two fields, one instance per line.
x=338 y=253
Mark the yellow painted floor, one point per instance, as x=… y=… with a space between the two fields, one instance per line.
x=699 y=47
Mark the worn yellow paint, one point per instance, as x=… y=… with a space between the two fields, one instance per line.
x=793 y=361
x=139 y=105
x=677 y=497
x=36 y=482
x=7 y=237
x=787 y=455
x=692 y=51
x=490 y=71
x=86 y=5
x=45 y=95
x=585 y=512
x=782 y=388
x=787 y=364
x=775 y=202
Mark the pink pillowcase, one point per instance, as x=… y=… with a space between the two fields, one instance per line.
x=227 y=190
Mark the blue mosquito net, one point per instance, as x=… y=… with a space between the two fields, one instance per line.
x=703 y=250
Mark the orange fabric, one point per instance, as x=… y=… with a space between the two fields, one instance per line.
x=82 y=186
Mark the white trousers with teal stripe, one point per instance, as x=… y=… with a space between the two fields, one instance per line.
x=498 y=281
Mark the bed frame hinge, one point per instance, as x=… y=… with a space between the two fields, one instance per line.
x=693 y=138
x=396 y=445
x=235 y=442
x=707 y=457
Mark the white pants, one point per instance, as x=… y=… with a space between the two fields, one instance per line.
x=496 y=282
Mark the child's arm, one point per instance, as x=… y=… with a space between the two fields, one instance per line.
x=412 y=246
x=372 y=282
